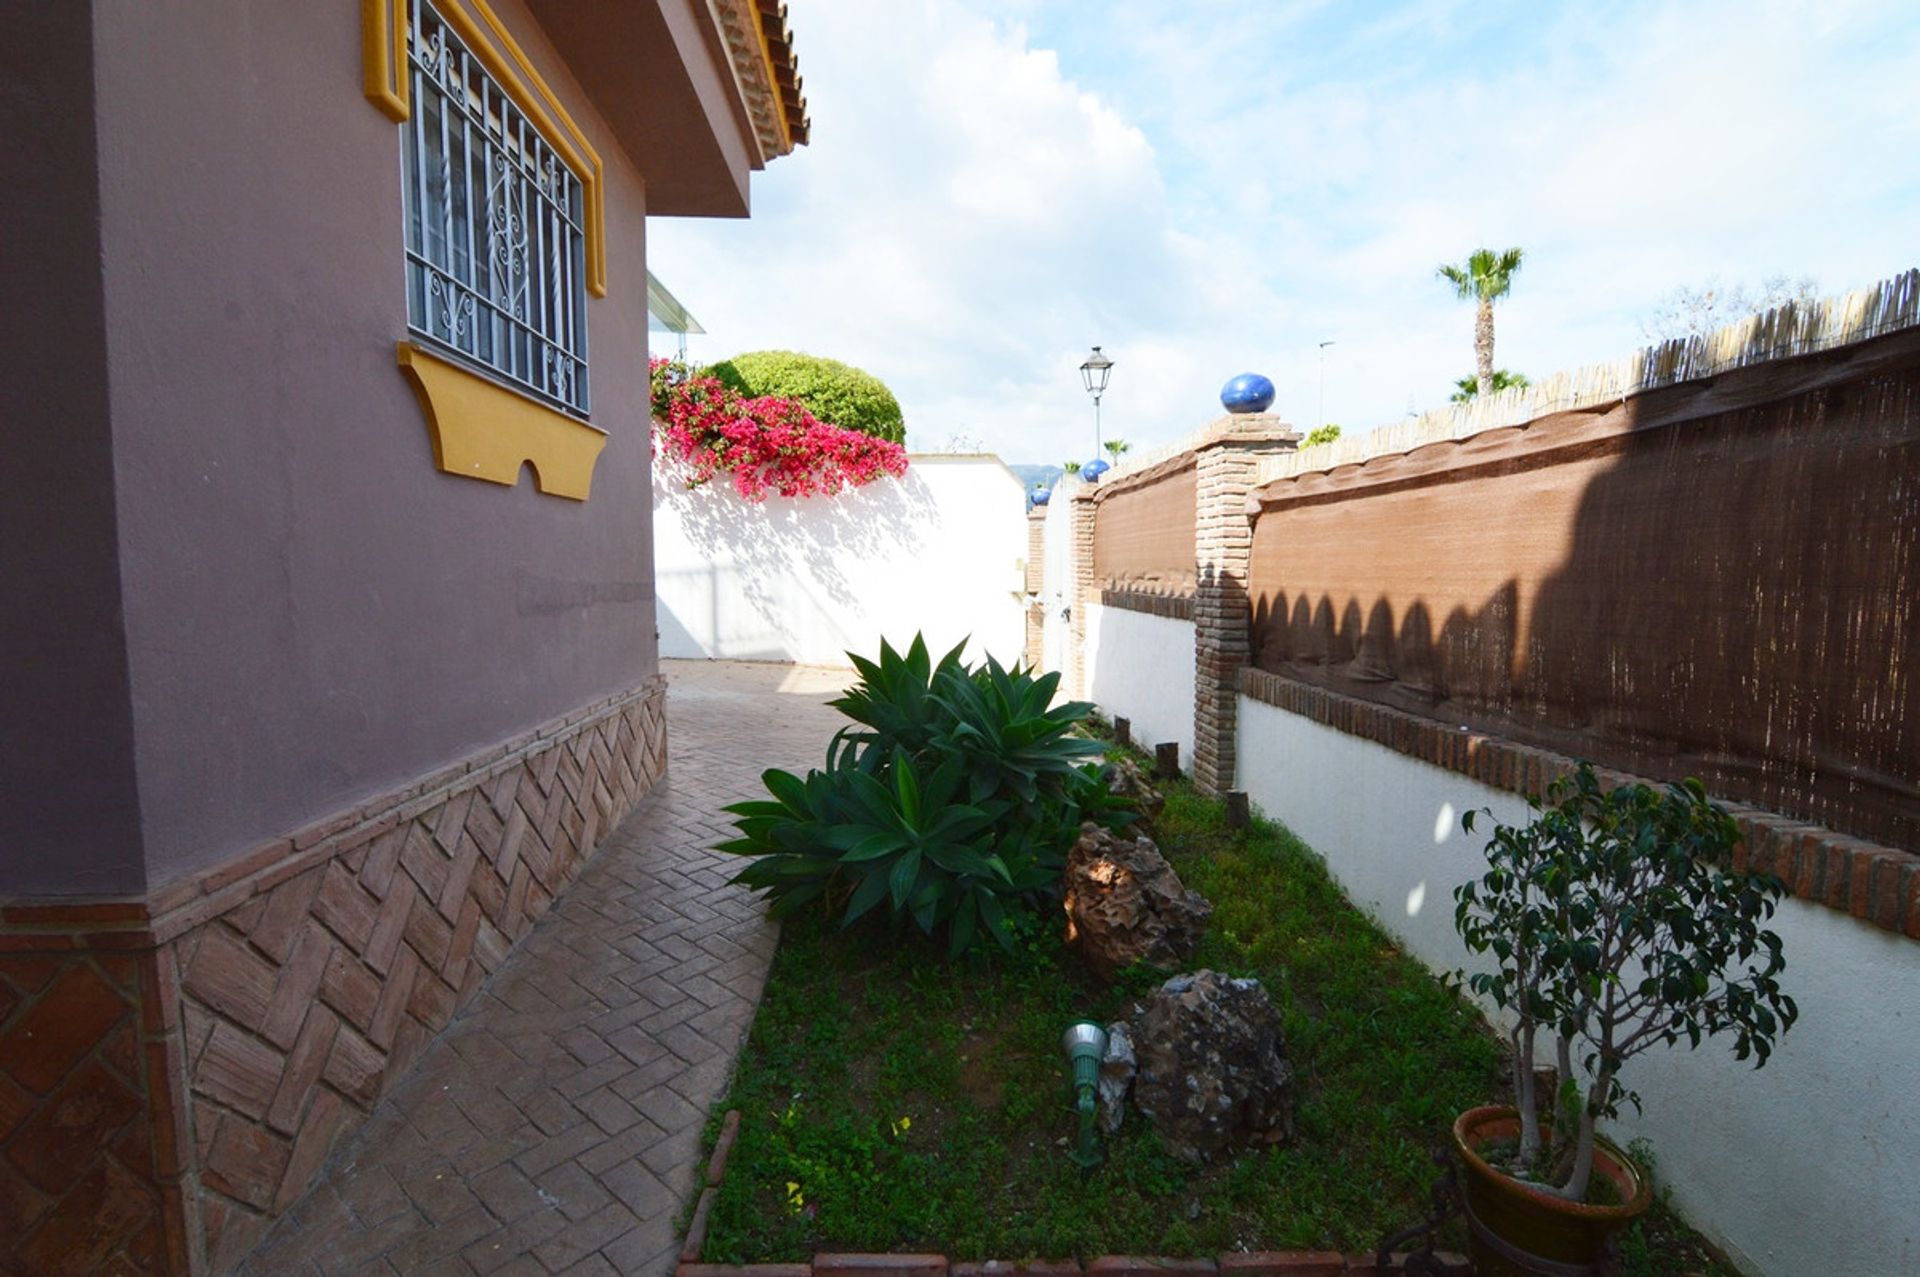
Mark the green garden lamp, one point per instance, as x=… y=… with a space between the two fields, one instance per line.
x=1086 y=1044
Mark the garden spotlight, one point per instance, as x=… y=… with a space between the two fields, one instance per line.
x=1085 y=1043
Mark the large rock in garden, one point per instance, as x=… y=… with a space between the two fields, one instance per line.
x=1117 y=1068
x=1126 y=905
x=1213 y=1074
x=1125 y=778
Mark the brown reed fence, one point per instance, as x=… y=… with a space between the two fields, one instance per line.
x=1710 y=569
x=1143 y=534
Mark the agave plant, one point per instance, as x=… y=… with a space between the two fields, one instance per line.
x=952 y=800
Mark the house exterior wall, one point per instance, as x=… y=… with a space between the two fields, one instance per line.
x=70 y=816
x=303 y=732
x=314 y=614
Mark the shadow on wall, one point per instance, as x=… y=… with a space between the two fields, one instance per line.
x=1712 y=580
x=778 y=554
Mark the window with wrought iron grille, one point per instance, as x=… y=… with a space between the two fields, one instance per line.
x=496 y=251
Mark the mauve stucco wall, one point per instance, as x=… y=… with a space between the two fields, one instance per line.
x=315 y=613
x=69 y=819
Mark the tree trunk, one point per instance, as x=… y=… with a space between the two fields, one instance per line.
x=1483 y=345
x=1575 y=1189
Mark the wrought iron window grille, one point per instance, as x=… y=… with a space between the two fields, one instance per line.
x=496 y=245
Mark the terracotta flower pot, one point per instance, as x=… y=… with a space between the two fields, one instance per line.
x=1518 y=1230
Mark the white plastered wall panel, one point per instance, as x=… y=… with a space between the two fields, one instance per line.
x=940 y=551
x=1810 y=1165
x=1141 y=667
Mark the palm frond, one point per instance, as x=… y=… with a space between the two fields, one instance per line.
x=1487 y=276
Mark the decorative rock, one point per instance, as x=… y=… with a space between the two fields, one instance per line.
x=1247 y=393
x=1213 y=1075
x=1125 y=904
x=1116 y=1077
x=1124 y=777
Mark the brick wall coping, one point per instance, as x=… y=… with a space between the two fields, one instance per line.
x=143 y=922
x=1879 y=885
x=1143 y=477
x=1178 y=607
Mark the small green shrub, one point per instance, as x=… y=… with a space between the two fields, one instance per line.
x=1618 y=925
x=836 y=393
x=953 y=801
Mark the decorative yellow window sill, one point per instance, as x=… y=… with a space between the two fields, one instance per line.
x=483 y=430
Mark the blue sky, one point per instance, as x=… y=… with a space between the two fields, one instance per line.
x=1207 y=188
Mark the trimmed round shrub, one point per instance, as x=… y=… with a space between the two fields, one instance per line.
x=838 y=394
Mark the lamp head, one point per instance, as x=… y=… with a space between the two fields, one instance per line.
x=1084 y=1039
x=1094 y=372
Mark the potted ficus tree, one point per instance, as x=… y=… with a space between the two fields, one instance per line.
x=1616 y=925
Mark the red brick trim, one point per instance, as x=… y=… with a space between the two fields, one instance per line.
x=1176 y=607
x=879 y=1265
x=261 y=1008
x=1879 y=885
x=1272 y=1263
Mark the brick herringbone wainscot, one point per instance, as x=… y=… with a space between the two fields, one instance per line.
x=174 y=1071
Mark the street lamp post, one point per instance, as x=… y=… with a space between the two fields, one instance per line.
x=1323 y=383
x=1094 y=373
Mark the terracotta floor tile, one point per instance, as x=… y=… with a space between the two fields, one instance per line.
x=553 y=1127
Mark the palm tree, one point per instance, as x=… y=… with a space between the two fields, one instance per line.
x=1484 y=280
x=1502 y=380
x=1116 y=448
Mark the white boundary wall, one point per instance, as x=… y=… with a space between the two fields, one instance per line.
x=1056 y=586
x=1811 y=1165
x=1141 y=667
x=941 y=550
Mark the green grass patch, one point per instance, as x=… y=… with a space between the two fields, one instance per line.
x=891 y=1101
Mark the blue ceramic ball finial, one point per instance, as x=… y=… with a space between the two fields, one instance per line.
x=1249 y=392
x=1091 y=472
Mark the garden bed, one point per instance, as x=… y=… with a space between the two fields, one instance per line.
x=892 y=1101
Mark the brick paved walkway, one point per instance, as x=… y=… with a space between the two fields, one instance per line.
x=555 y=1125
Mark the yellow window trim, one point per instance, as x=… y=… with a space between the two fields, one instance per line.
x=383 y=39
x=483 y=430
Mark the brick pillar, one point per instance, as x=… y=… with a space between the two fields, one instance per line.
x=1227 y=461
x=1083 y=583
x=1036 y=585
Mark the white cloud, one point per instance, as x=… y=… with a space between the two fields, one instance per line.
x=1206 y=189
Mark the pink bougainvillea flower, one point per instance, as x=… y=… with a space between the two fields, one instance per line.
x=767 y=444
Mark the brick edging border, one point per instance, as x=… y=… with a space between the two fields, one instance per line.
x=1174 y=607
x=1878 y=885
x=1273 y=1263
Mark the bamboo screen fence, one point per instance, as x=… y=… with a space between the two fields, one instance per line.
x=1143 y=534
x=1716 y=577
